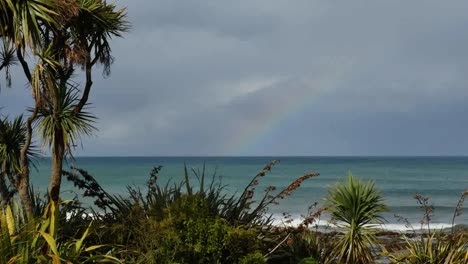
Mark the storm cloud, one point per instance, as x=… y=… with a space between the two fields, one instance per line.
x=281 y=78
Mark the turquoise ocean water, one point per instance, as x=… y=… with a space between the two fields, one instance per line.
x=443 y=179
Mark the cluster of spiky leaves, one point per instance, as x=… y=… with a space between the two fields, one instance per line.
x=21 y=20
x=7 y=60
x=355 y=205
x=12 y=137
x=61 y=116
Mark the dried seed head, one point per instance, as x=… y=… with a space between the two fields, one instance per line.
x=297 y=183
x=250 y=194
x=311 y=218
x=459 y=208
x=270 y=165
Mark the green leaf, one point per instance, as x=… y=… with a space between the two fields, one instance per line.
x=79 y=243
x=91 y=248
x=51 y=241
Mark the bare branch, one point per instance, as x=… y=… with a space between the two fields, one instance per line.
x=24 y=64
x=87 y=89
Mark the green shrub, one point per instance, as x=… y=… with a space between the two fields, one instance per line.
x=253 y=258
x=204 y=240
x=305 y=244
x=240 y=242
x=187 y=233
x=207 y=239
x=309 y=260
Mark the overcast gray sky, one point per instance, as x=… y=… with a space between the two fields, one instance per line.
x=252 y=77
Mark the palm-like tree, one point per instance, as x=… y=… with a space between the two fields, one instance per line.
x=61 y=128
x=21 y=24
x=356 y=206
x=82 y=40
x=63 y=35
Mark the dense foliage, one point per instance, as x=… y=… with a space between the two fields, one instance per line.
x=202 y=223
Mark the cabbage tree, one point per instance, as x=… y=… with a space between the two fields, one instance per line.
x=356 y=206
x=62 y=36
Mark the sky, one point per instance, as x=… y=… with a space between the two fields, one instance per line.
x=276 y=78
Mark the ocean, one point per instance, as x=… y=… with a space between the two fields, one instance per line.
x=442 y=179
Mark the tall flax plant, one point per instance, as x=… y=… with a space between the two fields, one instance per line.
x=249 y=208
x=356 y=206
x=243 y=209
x=240 y=209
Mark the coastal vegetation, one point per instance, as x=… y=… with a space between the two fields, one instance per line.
x=198 y=221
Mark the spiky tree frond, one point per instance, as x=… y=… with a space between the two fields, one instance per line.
x=23 y=19
x=58 y=115
x=7 y=60
x=93 y=28
x=6 y=19
x=12 y=139
x=43 y=81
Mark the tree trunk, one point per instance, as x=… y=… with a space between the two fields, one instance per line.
x=23 y=176
x=23 y=192
x=58 y=153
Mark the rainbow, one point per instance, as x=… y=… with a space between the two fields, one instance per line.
x=287 y=107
